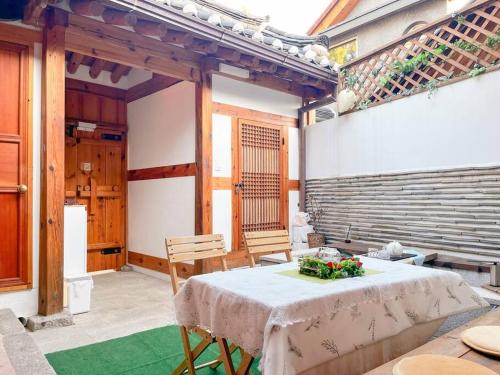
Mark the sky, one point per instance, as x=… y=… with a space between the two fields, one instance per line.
x=293 y=16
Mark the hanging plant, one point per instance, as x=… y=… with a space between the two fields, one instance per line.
x=466 y=46
x=477 y=70
x=492 y=41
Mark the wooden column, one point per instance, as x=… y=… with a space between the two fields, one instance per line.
x=50 y=300
x=203 y=102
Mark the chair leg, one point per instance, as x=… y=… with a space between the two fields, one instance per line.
x=246 y=362
x=232 y=349
x=196 y=352
x=187 y=350
x=226 y=356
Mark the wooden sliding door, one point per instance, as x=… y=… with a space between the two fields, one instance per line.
x=15 y=167
x=259 y=187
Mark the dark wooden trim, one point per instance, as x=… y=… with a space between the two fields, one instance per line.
x=251 y=114
x=94 y=88
x=293 y=185
x=50 y=296
x=203 y=199
x=168 y=171
x=222 y=183
x=157 y=83
x=153 y=263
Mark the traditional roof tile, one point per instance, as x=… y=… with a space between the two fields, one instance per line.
x=313 y=49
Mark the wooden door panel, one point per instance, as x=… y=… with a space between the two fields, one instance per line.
x=15 y=252
x=9 y=239
x=260 y=195
x=10 y=73
x=9 y=164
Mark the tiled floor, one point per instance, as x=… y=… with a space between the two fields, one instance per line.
x=122 y=303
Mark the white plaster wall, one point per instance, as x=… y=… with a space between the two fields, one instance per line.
x=458 y=127
x=25 y=303
x=247 y=95
x=293 y=208
x=158 y=209
x=222 y=219
x=162 y=128
x=161 y=133
x=221 y=146
x=293 y=153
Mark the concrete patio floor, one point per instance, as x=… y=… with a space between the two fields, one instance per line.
x=123 y=303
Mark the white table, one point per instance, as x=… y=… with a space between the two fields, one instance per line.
x=299 y=324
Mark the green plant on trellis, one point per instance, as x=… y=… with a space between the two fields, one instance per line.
x=363 y=104
x=492 y=41
x=466 y=46
x=460 y=18
x=477 y=70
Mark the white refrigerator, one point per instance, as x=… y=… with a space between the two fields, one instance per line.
x=77 y=282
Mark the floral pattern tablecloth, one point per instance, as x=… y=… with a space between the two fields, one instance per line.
x=295 y=324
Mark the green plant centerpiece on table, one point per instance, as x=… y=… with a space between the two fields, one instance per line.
x=329 y=269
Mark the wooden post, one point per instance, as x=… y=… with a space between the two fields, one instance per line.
x=302 y=161
x=50 y=299
x=203 y=218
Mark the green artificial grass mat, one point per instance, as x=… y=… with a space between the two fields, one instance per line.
x=152 y=352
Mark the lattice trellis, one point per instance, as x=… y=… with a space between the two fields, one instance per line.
x=462 y=44
x=260 y=168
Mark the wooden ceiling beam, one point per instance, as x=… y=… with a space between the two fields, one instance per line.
x=228 y=54
x=178 y=37
x=91 y=8
x=268 y=67
x=34 y=9
x=200 y=45
x=96 y=68
x=74 y=62
x=97 y=39
x=118 y=72
x=249 y=61
x=150 y=28
x=119 y=17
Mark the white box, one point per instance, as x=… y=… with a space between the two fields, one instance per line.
x=78 y=291
x=75 y=240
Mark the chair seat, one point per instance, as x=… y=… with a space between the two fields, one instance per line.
x=432 y=364
x=485 y=339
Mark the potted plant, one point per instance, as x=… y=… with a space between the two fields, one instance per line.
x=316 y=212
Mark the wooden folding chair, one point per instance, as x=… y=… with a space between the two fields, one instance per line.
x=183 y=249
x=274 y=241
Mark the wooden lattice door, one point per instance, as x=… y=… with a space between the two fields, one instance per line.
x=259 y=188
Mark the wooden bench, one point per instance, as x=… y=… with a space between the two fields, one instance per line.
x=450 y=344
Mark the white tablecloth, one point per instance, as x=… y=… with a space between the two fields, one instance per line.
x=297 y=324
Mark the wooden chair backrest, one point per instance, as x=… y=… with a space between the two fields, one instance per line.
x=274 y=241
x=181 y=249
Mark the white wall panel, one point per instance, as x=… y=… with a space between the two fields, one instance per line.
x=162 y=128
x=221 y=146
x=293 y=153
x=247 y=95
x=457 y=127
x=158 y=209
x=222 y=221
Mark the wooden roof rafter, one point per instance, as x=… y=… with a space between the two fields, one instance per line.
x=96 y=66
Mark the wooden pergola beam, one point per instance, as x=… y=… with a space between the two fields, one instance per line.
x=50 y=296
x=118 y=72
x=96 y=68
x=87 y=7
x=74 y=62
x=118 y=17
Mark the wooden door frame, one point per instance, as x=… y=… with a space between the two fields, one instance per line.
x=26 y=43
